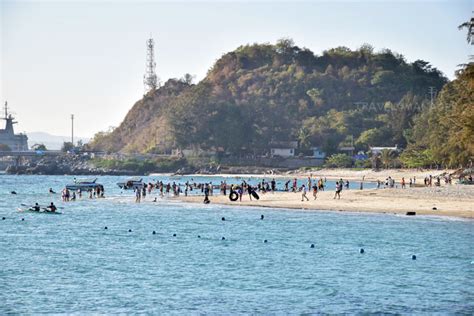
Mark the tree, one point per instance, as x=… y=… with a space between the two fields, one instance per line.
x=372 y=137
x=187 y=78
x=67 y=146
x=338 y=161
x=40 y=147
x=469 y=25
x=387 y=157
x=5 y=147
x=303 y=138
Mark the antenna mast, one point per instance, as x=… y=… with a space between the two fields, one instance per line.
x=150 y=80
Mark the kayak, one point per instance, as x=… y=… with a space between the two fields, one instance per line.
x=43 y=211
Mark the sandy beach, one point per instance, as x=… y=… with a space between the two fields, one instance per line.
x=451 y=200
x=348 y=174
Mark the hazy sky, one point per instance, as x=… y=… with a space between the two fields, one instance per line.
x=88 y=57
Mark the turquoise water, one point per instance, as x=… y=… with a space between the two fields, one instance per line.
x=70 y=264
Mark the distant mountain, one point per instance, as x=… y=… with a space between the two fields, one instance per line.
x=52 y=142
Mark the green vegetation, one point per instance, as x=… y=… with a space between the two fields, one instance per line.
x=338 y=161
x=67 y=146
x=262 y=93
x=444 y=134
x=5 y=147
x=41 y=147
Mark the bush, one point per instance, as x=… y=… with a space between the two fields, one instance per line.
x=4 y=147
x=338 y=161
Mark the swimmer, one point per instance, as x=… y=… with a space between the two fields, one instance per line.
x=51 y=191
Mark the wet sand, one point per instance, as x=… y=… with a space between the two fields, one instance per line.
x=451 y=200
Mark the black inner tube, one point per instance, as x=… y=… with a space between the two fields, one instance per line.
x=233 y=196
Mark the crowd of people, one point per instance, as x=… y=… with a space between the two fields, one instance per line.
x=428 y=181
x=236 y=191
x=70 y=195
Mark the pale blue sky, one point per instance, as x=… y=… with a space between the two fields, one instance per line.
x=88 y=58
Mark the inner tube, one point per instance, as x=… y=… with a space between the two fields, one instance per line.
x=233 y=196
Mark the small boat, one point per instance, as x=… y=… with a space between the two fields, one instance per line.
x=42 y=211
x=84 y=185
x=131 y=183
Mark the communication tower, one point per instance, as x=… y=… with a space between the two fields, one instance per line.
x=150 y=80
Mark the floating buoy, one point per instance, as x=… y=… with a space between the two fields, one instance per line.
x=413 y=257
x=361 y=250
x=154 y=233
x=312 y=246
x=411 y=213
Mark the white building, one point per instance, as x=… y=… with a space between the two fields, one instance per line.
x=378 y=150
x=283 y=149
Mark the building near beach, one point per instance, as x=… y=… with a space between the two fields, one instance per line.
x=283 y=149
x=378 y=150
x=15 y=142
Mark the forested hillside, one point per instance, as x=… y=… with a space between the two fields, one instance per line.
x=444 y=133
x=263 y=93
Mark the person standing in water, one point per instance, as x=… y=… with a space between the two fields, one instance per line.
x=338 y=190
x=137 y=195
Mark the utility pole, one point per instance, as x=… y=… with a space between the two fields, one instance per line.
x=72 y=129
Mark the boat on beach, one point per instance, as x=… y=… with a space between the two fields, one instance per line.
x=84 y=185
x=131 y=183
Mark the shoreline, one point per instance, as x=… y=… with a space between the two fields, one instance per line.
x=367 y=175
x=381 y=201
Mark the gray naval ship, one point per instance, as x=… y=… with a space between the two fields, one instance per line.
x=15 y=142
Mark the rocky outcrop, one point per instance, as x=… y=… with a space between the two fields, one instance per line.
x=67 y=164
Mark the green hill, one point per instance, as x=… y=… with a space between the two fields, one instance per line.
x=263 y=93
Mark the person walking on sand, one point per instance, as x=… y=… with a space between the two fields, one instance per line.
x=315 y=190
x=338 y=190
x=303 y=193
x=403 y=183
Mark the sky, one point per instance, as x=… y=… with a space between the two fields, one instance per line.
x=87 y=58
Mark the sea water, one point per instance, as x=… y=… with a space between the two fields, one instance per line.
x=69 y=263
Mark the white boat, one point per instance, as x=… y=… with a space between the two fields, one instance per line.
x=84 y=185
x=131 y=183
